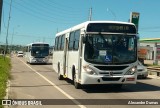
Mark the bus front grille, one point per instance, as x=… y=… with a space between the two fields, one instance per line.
x=39 y=57
x=114 y=73
x=111 y=68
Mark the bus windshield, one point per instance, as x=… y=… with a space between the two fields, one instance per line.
x=40 y=50
x=110 y=48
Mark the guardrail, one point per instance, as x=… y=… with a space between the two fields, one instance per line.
x=154 y=69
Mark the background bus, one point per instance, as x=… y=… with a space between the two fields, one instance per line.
x=37 y=52
x=97 y=52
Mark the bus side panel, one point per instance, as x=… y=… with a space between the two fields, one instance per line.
x=72 y=59
x=27 y=57
x=58 y=58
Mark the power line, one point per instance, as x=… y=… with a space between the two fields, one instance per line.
x=151 y=31
x=43 y=7
x=27 y=35
x=45 y=14
x=39 y=16
x=66 y=6
x=109 y=10
x=149 y=28
x=61 y=9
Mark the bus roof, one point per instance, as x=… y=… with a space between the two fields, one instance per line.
x=37 y=43
x=84 y=25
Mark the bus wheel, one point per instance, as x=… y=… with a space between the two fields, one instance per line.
x=60 y=77
x=76 y=84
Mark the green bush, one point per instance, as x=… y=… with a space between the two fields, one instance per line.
x=5 y=67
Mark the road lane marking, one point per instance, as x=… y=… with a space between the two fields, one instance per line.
x=59 y=89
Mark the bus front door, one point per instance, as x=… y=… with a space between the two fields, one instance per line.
x=65 y=58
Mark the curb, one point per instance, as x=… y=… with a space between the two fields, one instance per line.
x=154 y=76
x=7 y=92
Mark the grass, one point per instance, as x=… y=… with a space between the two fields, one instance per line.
x=5 y=67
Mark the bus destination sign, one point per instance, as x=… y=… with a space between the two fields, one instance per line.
x=110 y=27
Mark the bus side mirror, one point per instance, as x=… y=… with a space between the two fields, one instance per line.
x=138 y=36
x=84 y=39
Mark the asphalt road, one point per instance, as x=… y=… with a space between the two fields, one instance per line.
x=40 y=82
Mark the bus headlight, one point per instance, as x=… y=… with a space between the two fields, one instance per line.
x=31 y=57
x=131 y=71
x=89 y=70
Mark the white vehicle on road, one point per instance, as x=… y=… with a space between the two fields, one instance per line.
x=37 y=52
x=20 y=54
x=97 y=52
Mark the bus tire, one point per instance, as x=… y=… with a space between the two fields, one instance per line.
x=76 y=84
x=60 y=77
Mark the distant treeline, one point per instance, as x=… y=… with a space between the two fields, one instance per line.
x=11 y=48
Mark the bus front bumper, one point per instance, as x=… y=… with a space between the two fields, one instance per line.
x=99 y=79
x=40 y=60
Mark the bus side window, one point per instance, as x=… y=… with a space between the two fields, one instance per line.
x=62 y=42
x=71 y=41
x=59 y=43
x=76 y=39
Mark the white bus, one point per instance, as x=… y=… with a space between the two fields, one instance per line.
x=97 y=52
x=37 y=52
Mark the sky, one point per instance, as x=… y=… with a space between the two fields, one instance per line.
x=39 y=20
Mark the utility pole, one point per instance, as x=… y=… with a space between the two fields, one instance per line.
x=1 y=5
x=13 y=33
x=6 y=48
x=90 y=14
